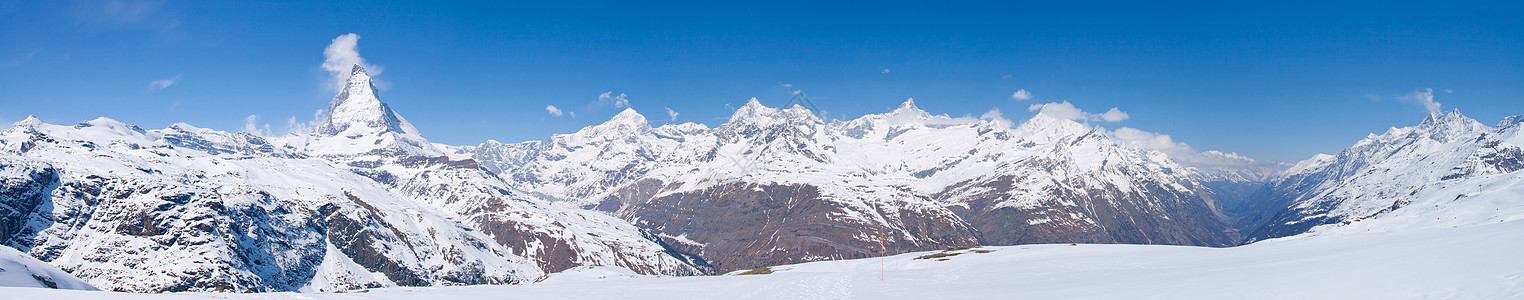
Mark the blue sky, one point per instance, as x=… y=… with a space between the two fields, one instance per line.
x=1277 y=81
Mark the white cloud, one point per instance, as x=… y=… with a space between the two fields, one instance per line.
x=21 y=60
x=340 y=58
x=553 y=110
x=250 y=126
x=671 y=113
x=620 y=101
x=1022 y=94
x=163 y=83
x=1065 y=110
x=1113 y=115
x=1185 y=154
x=1426 y=98
x=292 y=126
x=884 y=71
x=994 y=116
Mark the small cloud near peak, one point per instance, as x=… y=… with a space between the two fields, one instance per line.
x=1022 y=94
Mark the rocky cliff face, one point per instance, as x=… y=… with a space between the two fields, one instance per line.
x=776 y=186
x=364 y=201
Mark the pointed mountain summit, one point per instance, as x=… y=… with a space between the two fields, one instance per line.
x=358 y=122
x=358 y=107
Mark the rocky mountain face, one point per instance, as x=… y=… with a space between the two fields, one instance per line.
x=364 y=201
x=1447 y=171
x=775 y=186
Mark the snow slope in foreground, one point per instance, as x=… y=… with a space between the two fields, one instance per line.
x=20 y=270
x=1472 y=262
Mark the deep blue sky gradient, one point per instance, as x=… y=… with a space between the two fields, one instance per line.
x=1271 y=80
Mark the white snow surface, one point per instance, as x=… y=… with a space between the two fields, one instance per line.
x=1469 y=262
x=20 y=270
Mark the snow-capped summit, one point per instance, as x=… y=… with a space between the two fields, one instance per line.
x=754 y=114
x=358 y=122
x=627 y=121
x=1435 y=170
x=363 y=202
x=31 y=120
x=883 y=183
x=358 y=106
x=909 y=108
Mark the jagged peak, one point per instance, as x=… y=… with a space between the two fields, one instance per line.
x=628 y=117
x=357 y=70
x=755 y=114
x=908 y=107
x=358 y=105
x=1042 y=123
x=753 y=104
x=1451 y=122
x=629 y=113
x=1511 y=121
x=31 y=120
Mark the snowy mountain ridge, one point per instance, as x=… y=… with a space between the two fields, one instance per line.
x=1448 y=167
x=883 y=183
x=362 y=202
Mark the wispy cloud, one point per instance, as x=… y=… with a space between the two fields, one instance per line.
x=884 y=71
x=22 y=59
x=1424 y=97
x=608 y=98
x=671 y=113
x=1065 y=110
x=163 y=83
x=118 y=14
x=1183 y=153
x=1021 y=94
x=553 y=110
x=292 y=126
x=250 y=126
x=340 y=58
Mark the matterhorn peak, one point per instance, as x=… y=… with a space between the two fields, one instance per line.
x=358 y=106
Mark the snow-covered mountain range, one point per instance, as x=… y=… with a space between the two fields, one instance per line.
x=774 y=186
x=1449 y=170
x=364 y=201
